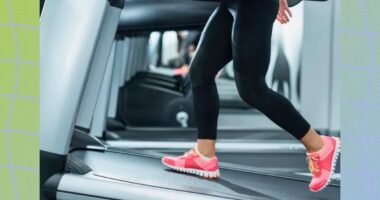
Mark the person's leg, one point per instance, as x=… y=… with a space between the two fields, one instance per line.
x=251 y=53
x=213 y=53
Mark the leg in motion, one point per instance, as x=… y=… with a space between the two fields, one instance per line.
x=251 y=54
x=213 y=53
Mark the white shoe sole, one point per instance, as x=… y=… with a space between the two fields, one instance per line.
x=202 y=173
x=335 y=159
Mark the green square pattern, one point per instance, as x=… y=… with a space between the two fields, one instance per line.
x=355 y=51
x=6 y=189
x=3 y=149
x=4 y=110
x=19 y=92
x=22 y=156
x=376 y=88
x=4 y=17
x=373 y=15
x=29 y=41
x=25 y=12
x=350 y=18
x=7 y=46
x=7 y=77
x=27 y=183
x=357 y=80
x=360 y=112
x=25 y=115
x=377 y=50
x=29 y=83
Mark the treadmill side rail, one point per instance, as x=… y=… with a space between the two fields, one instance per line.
x=69 y=33
x=98 y=67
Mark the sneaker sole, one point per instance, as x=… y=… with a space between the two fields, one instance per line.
x=333 y=164
x=202 y=173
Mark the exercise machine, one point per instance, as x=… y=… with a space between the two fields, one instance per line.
x=92 y=170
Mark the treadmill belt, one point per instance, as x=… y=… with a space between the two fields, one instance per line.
x=147 y=169
x=190 y=189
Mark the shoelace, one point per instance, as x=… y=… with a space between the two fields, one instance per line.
x=313 y=164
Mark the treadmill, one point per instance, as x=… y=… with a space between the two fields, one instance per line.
x=76 y=42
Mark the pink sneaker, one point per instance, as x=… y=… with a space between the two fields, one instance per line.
x=322 y=163
x=191 y=162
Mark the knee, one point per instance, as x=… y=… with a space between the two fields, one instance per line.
x=248 y=96
x=251 y=91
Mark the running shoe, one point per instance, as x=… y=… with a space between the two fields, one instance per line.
x=322 y=163
x=193 y=163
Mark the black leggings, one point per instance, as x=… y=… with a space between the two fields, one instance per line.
x=240 y=30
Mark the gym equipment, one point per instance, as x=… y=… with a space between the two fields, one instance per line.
x=232 y=107
x=108 y=179
x=175 y=83
x=86 y=29
x=172 y=95
x=166 y=98
x=166 y=102
x=91 y=170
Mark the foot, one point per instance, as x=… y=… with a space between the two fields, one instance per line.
x=322 y=163
x=193 y=163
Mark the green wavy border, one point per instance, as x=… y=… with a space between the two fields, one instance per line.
x=359 y=57
x=19 y=99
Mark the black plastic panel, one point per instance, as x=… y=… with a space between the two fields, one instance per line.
x=50 y=164
x=162 y=14
x=170 y=14
x=117 y=3
x=51 y=187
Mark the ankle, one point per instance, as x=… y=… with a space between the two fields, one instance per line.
x=313 y=141
x=206 y=147
x=312 y=149
x=205 y=153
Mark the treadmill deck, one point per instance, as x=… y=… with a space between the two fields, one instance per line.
x=146 y=169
